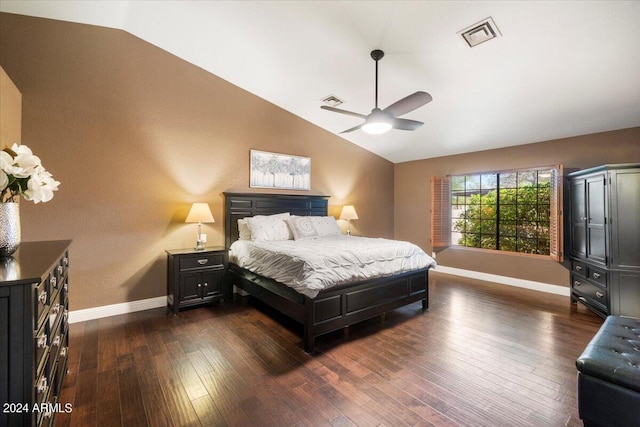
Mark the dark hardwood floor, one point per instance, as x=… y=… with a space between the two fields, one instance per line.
x=482 y=355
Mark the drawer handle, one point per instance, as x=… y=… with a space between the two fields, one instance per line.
x=596 y=275
x=199 y=285
x=583 y=299
x=60 y=270
x=599 y=294
x=65 y=315
x=205 y=285
x=55 y=309
x=576 y=283
x=63 y=351
x=578 y=268
x=42 y=341
x=65 y=260
x=42 y=385
x=203 y=261
x=42 y=298
x=56 y=342
x=65 y=286
x=54 y=282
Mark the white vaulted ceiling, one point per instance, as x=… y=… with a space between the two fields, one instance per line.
x=560 y=68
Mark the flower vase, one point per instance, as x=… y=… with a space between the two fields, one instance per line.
x=9 y=228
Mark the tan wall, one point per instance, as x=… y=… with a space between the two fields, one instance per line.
x=412 y=195
x=10 y=111
x=135 y=135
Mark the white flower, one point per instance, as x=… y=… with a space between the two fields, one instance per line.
x=25 y=163
x=21 y=173
x=41 y=186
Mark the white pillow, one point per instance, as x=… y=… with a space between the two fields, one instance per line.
x=271 y=227
x=302 y=227
x=326 y=225
x=243 y=229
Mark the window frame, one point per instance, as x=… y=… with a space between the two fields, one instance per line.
x=441 y=215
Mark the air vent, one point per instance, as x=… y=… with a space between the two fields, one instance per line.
x=332 y=101
x=480 y=32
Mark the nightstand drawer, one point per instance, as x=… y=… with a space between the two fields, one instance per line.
x=201 y=261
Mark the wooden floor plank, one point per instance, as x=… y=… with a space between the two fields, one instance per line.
x=483 y=354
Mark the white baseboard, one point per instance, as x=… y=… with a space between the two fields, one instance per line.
x=115 y=309
x=504 y=280
x=146 y=304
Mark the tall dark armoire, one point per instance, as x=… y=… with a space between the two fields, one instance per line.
x=603 y=224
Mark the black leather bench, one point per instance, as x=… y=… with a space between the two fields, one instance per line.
x=609 y=375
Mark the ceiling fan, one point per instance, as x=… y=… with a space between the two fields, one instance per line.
x=380 y=121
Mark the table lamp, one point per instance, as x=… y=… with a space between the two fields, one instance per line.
x=199 y=213
x=348 y=213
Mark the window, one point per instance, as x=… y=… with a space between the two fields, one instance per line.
x=515 y=211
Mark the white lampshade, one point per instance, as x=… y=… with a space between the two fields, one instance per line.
x=200 y=212
x=348 y=212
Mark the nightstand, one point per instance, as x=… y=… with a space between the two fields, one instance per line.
x=196 y=278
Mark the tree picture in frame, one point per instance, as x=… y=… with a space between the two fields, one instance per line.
x=283 y=171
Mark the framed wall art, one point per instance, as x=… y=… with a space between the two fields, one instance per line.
x=273 y=170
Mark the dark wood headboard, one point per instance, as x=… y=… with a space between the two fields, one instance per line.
x=241 y=205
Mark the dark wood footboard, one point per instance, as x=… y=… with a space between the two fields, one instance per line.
x=337 y=307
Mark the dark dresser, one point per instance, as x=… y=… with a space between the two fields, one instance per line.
x=34 y=333
x=604 y=238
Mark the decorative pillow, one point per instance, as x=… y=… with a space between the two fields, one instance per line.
x=272 y=227
x=302 y=227
x=326 y=225
x=243 y=229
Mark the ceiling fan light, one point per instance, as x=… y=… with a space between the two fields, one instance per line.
x=376 y=128
x=377 y=122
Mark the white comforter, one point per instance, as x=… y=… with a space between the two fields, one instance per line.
x=314 y=264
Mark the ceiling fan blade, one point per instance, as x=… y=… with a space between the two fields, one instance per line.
x=337 y=110
x=406 y=124
x=408 y=104
x=352 y=129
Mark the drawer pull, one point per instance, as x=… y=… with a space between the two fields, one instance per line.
x=42 y=341
x=63 y=351
x=60 y=270
x=199 y=285
x=576 y=283
x=65 y=286
x=583 y=299
x=205 y=285
x=596 y=275
x=599 y=294
x=578 y=268
x=54 y=282
x=42 y=298
x=65 y=260
x=56 y=341
x=55 y=309
x=203 y=261
x=42 y=385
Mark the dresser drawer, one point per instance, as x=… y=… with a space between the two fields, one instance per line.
x=591 y=291
x=579 y=268
x=41 y=346
x=598 y=275
x=201 y=261
x=40 y=302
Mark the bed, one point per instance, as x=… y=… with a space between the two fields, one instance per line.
x=333 y=308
